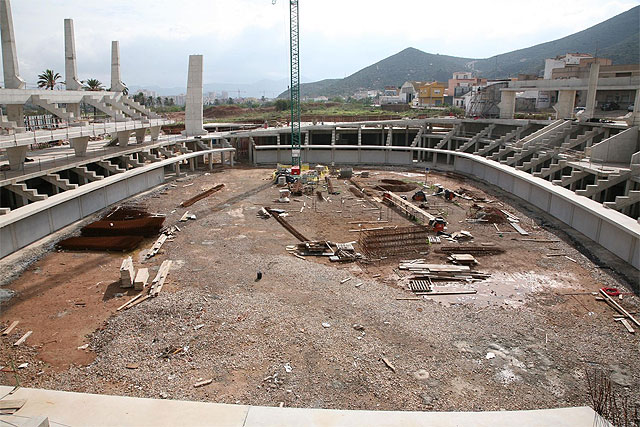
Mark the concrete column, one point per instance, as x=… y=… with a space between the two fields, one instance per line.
x=565 y=104
x=15 y=113
x=123 y=138
x=507 y=104
x=193 y=108
x=155 y=132
x=333 y=136
x=192 y=164
x=634 y=119
x=140 y=135
x=116 y=82
x=12 y=79
x=590 y=109
x=70 y=67
x=359 y=135
x=16 y=156
x=80 y=145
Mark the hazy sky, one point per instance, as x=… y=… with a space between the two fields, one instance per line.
x=244 y=41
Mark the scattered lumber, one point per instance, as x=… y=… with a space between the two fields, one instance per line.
x=184 y=217
x=618 y=307
x=23 y=339
x=156 y=246
x=540 y=240
x=626 y=325
x=158 y=281
x=11 y=327
x=127 y=273
x=389 y=365
x=142 y=277
x=468 y=292
x=474 y=250
x=11 y=406
x=126 y=304
x=201 y=196
x=519 y=229
x=286 y=225
x=203 y=383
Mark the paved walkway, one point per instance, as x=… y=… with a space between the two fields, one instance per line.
x=81 y=409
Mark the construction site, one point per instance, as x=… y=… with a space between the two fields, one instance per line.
x=439 y=271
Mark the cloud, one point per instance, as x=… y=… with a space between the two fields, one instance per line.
x=248 y=40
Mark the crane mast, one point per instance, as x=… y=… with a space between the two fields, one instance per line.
x=294 y=88
x=294 y=92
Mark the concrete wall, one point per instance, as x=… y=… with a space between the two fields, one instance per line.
x=30 y=223
x=61 y=210
x=617 y=149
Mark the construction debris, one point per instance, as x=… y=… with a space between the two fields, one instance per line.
x=11 y=327
x=22 y=339
x=463 y=259
x=106 y=243
x=396 y=241
x=156 y=246
x=277 y=214
x=127 y=273
x=474 y=250
x=203 y=383
x=158 y=281
x=202 y=195
x=147 y=227
x=142 y=277
x=389 y=365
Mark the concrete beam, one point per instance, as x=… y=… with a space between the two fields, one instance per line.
x=79 y=145
x=116 y=82
x=591 y=92
x=155 y=132
x=70 y=67
x=16 y=156
x=140 y=133
x=12 y=79
x=507 y=104
x=193 y=108
x=565 y=105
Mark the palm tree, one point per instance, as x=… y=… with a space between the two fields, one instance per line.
x=93 y=85
x=48 y=79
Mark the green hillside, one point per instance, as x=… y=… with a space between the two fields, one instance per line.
x=617 y=38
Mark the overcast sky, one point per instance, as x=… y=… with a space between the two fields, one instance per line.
x=244 y=41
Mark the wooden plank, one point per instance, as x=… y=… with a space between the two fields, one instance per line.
x=158 y=281
x=11 y=327
x=203 y=383
x=447 y=293
x=519 y=229
x=185 y=217
x=540 y=240
x=626 y=324
x=129 y=302
x=23 y=339
x=389 y=365
x=141 y=280
x=618 y=307
x=156 y=246
x=12 y=404
x=144 y=298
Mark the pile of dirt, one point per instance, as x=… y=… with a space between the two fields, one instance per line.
x=397 y=186
x=491 y=215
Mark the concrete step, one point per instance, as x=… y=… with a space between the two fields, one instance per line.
x=601 y=185
x=30 y=194
x=622 y=202
x=59 y=182
x=102 y=106
x=551 y=169
x=51 y=107
x=113 y=168
x=484 y=132
x=88 y=174
x=131 y=160
x=566 y=180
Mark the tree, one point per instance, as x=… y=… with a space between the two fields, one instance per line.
x=282 y=104
x=159 y=101
x=150 y=101
x=139 y=98
x=94 y=85
x=48 y=79
x=230 y=100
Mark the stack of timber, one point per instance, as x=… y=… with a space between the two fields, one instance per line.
x=473 y=250
x=441 y=272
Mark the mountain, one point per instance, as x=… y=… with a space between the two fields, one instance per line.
x=616 y=38
x=268 y=88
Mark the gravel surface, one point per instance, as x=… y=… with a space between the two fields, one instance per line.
x=518 y=344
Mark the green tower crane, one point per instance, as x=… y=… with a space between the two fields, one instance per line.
x=294 y=88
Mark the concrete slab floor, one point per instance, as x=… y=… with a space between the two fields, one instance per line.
x=62 y=409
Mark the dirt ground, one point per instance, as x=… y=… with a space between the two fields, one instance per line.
x=301 y=337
